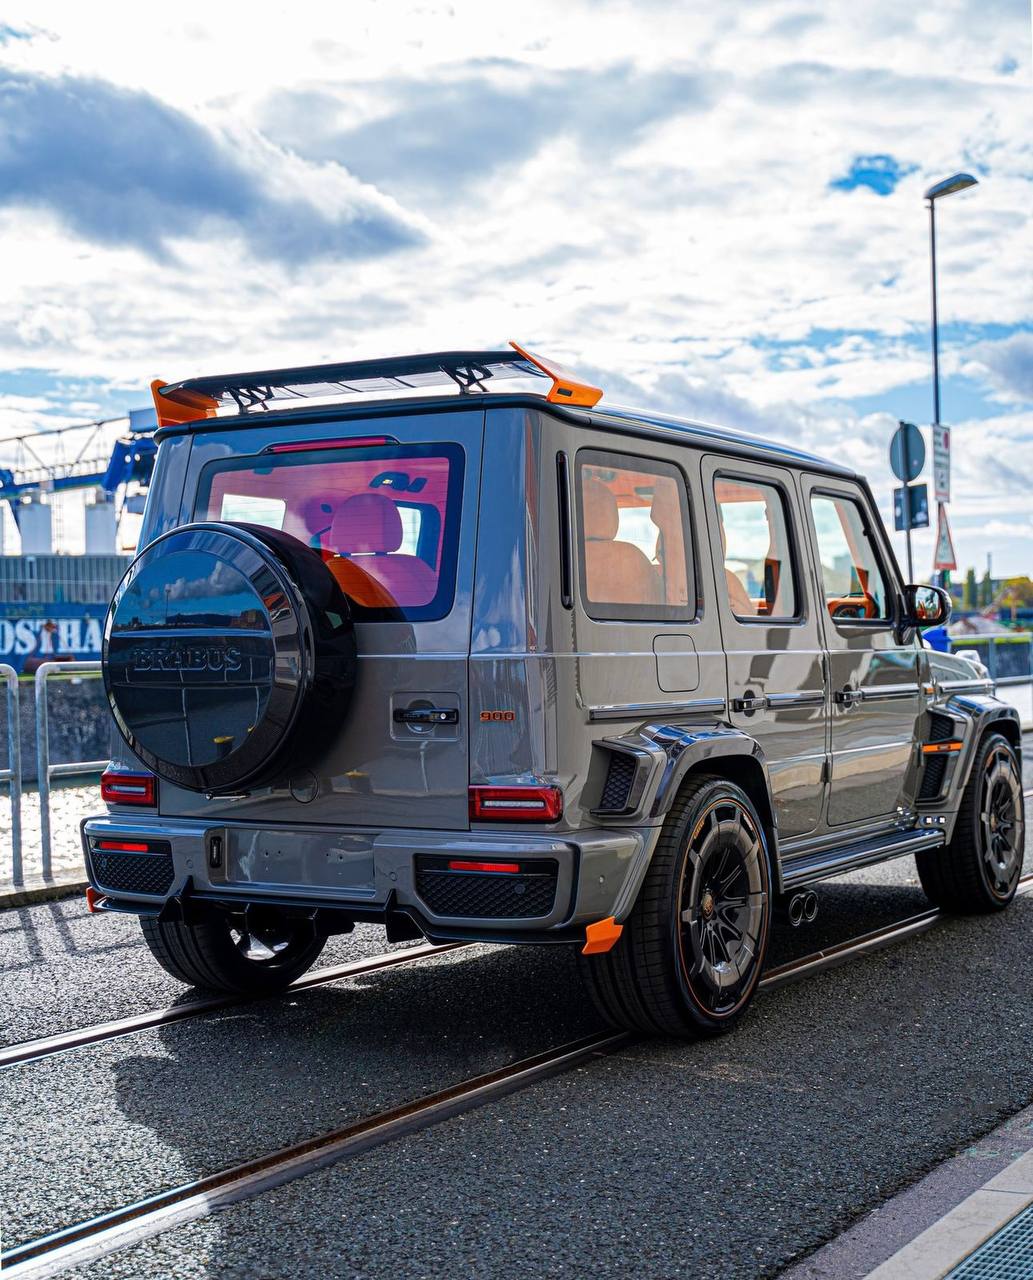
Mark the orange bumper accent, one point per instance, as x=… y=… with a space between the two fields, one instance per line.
x=934 y=748
x=93 y=898
x=601 y=936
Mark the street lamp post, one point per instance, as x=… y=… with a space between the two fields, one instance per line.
x=958 y=182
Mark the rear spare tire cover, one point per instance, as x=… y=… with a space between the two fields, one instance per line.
x=229 y=656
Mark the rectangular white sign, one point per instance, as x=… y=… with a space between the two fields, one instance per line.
x=942 y=463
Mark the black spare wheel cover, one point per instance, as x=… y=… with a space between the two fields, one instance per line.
x=229 y=655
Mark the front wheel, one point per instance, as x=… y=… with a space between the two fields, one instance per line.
x=254 y=954
x=690 y=956
x=979 y=870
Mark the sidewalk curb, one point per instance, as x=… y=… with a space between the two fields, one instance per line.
x=949 y=1241
x=28 y=895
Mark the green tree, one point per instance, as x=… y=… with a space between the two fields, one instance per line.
x=986 y=591
x=968 y=591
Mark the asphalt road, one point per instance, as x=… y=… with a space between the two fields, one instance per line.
x=726 y=1159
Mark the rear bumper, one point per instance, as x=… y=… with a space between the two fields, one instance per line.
x=354 y=875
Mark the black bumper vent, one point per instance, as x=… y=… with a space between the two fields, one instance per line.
x=151 y=873
x=487 y=895
x=619 y=777
x=932 y=776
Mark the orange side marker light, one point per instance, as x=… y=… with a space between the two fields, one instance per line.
x=601 y=936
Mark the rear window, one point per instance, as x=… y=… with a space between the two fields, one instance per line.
x=384 y=518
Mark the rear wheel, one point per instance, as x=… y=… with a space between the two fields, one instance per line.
x=690 y=956
x=979 y=870
x=257 y=954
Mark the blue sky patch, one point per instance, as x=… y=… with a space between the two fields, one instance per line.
x=878 y=173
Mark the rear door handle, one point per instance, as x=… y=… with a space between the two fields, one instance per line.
x=426 y=715
x=749 y=703
x=847 y=697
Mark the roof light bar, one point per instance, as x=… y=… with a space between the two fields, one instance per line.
x=466 y=373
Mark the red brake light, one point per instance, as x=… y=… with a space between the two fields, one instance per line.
x=123 y=846
x=129 y=788
x=516 y=804
x=354 y=442
x=462 y=864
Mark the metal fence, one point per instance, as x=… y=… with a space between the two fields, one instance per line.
x=45 y=770
x=1009 y=658
x=12 y=775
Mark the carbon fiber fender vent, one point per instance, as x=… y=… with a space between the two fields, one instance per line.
x=619 y=779
x=941 y=728
x=932 y=776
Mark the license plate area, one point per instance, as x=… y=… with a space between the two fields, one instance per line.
x=278 y=858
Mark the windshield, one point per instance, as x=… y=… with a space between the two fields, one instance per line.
x=384 y=518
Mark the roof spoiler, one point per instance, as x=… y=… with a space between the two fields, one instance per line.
x=469 y=371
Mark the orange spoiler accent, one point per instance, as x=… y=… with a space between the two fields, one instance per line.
x=567 y=387
x=184 y=406
x=601 y=936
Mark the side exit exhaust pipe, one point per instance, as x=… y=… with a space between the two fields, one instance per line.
x=802 y=908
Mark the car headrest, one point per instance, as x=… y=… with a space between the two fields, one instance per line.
x=602 y=519
x=366 y=522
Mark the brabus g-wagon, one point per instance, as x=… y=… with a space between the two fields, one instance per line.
x=507 y=664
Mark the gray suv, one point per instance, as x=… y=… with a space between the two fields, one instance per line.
x=442 y=643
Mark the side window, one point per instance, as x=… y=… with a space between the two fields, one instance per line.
x=633 y=546
x=758 y=565
x=852 y=578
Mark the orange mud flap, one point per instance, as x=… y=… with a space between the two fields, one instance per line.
x=601 y=936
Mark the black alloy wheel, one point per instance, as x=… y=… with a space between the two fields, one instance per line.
x=691 y=953
x=722 y=907
x=1002 y=820
x=979 y=869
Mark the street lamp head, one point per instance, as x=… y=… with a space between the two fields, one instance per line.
x=949 y=185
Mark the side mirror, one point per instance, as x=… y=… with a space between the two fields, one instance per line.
x=926 y=606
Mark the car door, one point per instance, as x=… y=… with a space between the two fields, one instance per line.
x=774 y=650
x=645 y=647
x=876 y=690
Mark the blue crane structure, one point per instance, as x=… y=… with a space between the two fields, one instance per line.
x=131 y=459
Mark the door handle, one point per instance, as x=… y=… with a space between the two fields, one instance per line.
x=749 y=703
x=426 y=715
x=847 y=697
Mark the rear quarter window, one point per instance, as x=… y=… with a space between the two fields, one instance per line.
x=384 y=518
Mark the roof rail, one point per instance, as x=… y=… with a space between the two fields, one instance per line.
x=467 y=372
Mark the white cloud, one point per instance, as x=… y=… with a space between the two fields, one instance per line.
x=642 y=188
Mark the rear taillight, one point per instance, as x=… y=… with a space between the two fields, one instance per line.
x=515 y=804
x=129 y=788
x=122 y=846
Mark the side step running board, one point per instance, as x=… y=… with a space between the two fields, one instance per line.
x=809 y=868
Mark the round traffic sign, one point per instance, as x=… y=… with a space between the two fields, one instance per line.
x=907 y=452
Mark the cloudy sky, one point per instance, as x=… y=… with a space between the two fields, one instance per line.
x=714 y=208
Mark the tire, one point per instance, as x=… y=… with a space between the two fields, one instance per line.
x=978 y=871
x=677 y=970
x=211 y=954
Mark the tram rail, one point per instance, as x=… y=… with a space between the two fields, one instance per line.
x=98 y=1237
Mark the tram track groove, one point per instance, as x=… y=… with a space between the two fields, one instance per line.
x=100 y=1236
x=25 y=1051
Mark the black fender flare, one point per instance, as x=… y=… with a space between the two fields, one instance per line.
x=686 y=748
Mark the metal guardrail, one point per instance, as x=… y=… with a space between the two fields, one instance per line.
x=12 y=775
x=44 y=769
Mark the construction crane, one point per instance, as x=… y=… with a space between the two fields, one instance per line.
x=33 y=463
